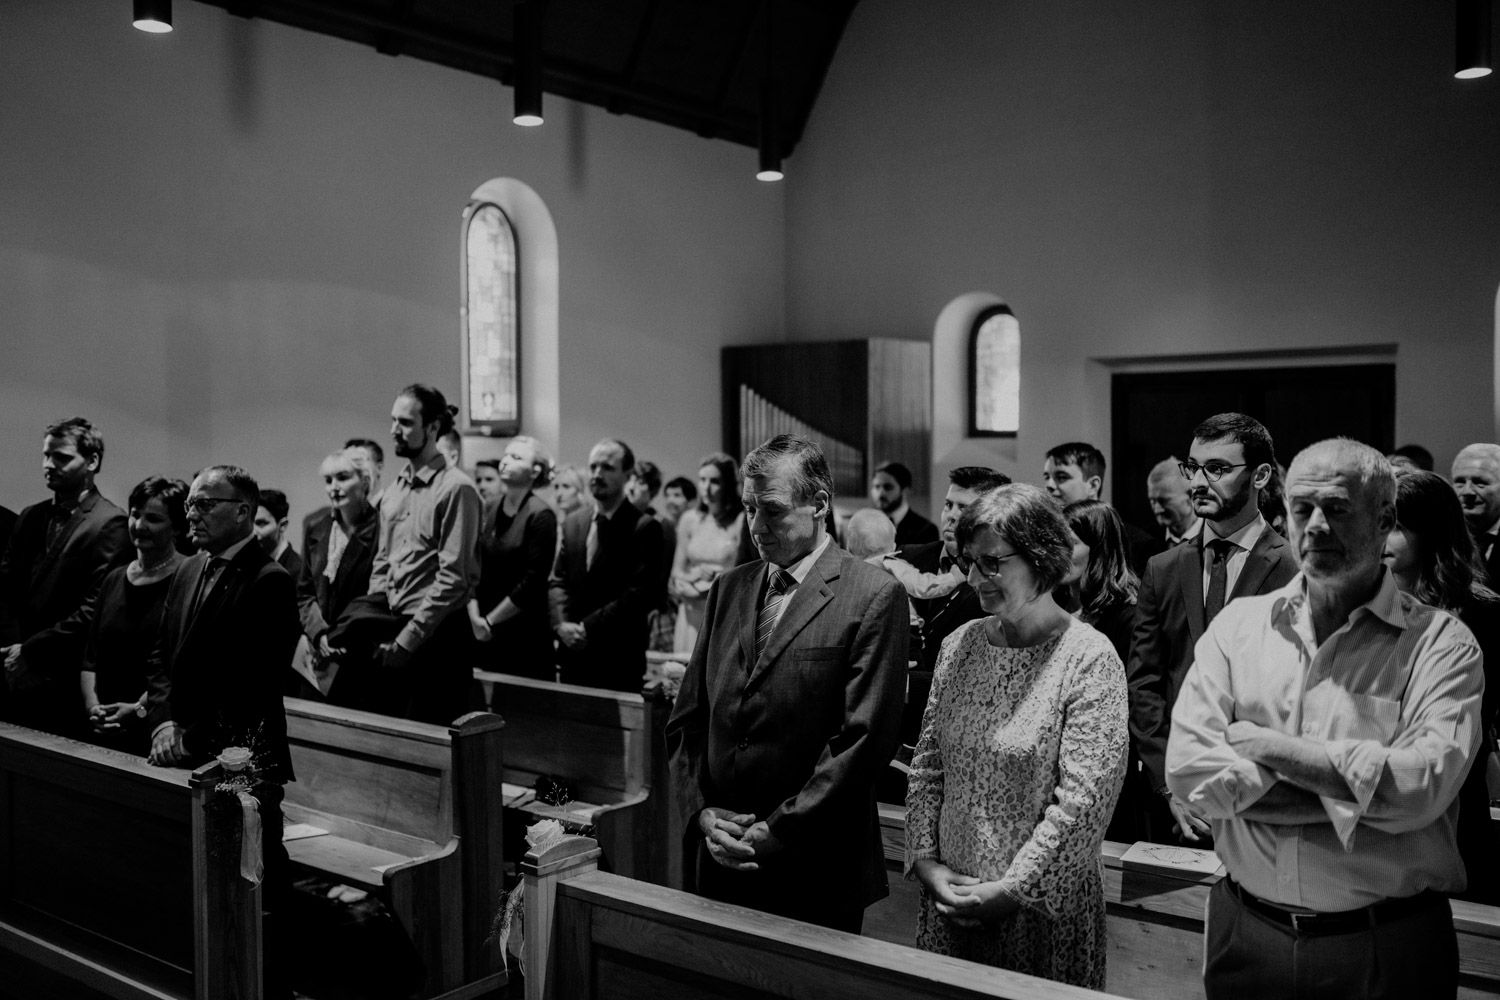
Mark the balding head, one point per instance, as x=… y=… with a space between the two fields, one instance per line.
x=1341 y=502
x=1476 y=477
x=1167 y=492
x=869 y=533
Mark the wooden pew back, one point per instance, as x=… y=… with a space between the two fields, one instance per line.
x=120 y=878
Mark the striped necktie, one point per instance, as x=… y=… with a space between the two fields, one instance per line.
x=770 y=611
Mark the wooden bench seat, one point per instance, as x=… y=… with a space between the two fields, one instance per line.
x=606 y=746
x=408 y=811
x=120 y=879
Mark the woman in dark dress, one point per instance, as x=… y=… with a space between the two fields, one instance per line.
x=126 y=616
x=1433 y=558
x=517 y=543
x=1102 y=590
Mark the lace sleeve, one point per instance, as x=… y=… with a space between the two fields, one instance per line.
x=924 y=787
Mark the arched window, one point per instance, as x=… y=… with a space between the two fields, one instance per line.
x=995 y=374
x=492 y=337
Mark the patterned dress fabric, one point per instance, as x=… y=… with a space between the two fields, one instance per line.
x=1015 y=775
x=704 y=550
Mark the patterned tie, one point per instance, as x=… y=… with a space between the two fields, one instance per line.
x=591 y=544
x=1218 y=551
x=770 y=611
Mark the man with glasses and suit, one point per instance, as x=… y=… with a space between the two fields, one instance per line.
x=1236 y=554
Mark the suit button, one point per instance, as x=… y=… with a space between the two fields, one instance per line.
x=744 y=744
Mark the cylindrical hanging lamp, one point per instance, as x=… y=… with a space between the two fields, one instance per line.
x=154 y=16
x=770 y=134
x=1472 y=39
x=528 y=62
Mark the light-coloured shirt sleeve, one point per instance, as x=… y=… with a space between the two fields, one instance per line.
x=456 y=516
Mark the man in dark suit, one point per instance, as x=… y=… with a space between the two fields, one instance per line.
x=1476 y=477
x=270 y=531
x=227 y=633
x=1075 y=471
x=58 y=552
x=790 y=708
x=942 y=615
x=888 y=488
x=1237 y=554
x=606 y=579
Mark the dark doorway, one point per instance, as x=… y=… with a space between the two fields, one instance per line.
x=1154 y=415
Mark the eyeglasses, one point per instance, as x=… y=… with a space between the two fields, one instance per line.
x=1213 y=471
x=203 y=505
x=989 y=566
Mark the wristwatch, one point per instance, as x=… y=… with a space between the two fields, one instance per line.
x=140 y=710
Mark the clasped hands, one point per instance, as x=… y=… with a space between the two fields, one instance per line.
x=166 y=746
x=573 y=635
x=733 y=838
x=111 y=716
x=963 y=900
x=16 y=674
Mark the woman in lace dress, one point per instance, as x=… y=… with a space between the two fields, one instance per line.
x=1020 y=759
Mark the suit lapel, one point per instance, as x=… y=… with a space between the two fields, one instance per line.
x=811 y=596
x=190 y=573
x=1190 y=580
x=51 y=553
x=1258 y=564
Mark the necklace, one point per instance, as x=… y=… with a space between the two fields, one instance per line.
x=142 y=569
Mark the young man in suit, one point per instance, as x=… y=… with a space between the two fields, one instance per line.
x=270 y=531
x=1075 y=471
x=1476 y=477
x=214 y=681
x=606 y=579
x=942 y=615
x=790 y=708
x=888 y=489
x=1184 y=588
x=58 y=552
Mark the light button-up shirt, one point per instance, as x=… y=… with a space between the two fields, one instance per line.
x=1393 y=695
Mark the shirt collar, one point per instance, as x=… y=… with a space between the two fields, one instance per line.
x=82 y=503
x=1387 y=603
x=1191 y=533
x=900 y=512
x=425 y=473
x=802 y=567
x=280 y=549
x=1245 y=538
x=229 y=554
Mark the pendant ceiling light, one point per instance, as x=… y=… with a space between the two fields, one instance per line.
x=770 y=108
x=1472 y=39
x=528 y=61
x=154 y=16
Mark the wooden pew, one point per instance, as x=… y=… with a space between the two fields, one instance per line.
x=1155 y=924
x=119 y=879
x=608 y=747
x=412 y=813
x=605 y=936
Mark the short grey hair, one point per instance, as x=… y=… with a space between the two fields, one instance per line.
x=869 y=533
x=1371 y=467
x=799 y=458
x=1031 y=522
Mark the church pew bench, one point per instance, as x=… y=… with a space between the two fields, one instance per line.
x=608 y=747
x=411 y=813
x=590 y=935
x=1155 y=923
x=120 y=879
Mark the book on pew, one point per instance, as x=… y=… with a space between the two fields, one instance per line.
x=1183 y=862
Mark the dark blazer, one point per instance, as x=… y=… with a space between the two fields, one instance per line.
x=610 y=599
x=1491 y=558
x=1143 y=545
x=217 y=672
x=941 y=616
x=515 y=558
x=291 y=562
x=7 y=522
x=319 y=602
x=1169 y=622
x=42 y=588
x=800 y=736
x=915 y=529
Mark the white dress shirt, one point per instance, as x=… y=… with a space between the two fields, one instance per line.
x=799 y=571
x=1244 y=540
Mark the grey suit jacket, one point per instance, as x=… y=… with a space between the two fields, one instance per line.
x=799 y=735
x=1169 y=621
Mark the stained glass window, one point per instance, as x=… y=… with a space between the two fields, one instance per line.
x=492 y=341
x=995 y=374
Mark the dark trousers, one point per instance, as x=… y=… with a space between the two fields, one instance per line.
x=434 y=684
x=278 y=960
x=805 y=899
x=1248 y=955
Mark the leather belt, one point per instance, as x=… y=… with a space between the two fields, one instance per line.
x=1309 y=924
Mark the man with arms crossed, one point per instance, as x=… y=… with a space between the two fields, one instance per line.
x=790 y=707
x=1325 y=729
x=1183 y=588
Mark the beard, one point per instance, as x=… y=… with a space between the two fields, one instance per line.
x=1231 y=505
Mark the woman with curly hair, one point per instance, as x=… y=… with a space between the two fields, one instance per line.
x=1433 y=558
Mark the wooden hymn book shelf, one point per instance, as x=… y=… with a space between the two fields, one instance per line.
x=119 y=879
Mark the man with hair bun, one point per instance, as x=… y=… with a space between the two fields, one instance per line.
x=59 y=551
x=407 y=642
x=1325 y=729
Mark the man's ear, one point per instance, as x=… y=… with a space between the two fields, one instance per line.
x=1096 y=484
x=94 y=461
x=1262 y=476
x=824 y=502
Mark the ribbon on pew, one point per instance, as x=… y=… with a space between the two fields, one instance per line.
x=252 y=867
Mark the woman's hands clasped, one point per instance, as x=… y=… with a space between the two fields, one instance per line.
x=963 y=900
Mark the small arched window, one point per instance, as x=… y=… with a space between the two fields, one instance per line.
x=492 y=336
x=995 y=374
